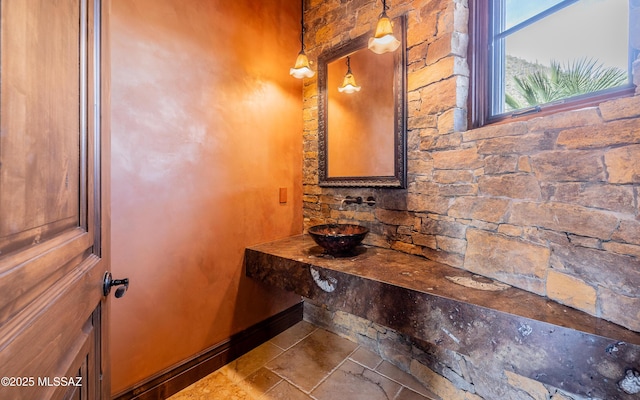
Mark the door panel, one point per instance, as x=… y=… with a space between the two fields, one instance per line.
x=53 y=252
x=40 y=120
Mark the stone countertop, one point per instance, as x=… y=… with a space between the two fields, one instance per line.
x=492 y=325
x=429 y=277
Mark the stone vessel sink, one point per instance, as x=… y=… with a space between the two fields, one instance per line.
x=338 y=239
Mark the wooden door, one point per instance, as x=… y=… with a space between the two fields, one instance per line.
x=54 y=231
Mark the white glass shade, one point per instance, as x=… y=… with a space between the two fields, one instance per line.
x=383 y=41
x=349 y=84
x=301 y=69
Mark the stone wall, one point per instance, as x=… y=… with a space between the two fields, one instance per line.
x=447 y=373
x=549 y=205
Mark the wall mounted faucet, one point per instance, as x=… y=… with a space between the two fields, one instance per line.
x=350 y=200
x=357 y=200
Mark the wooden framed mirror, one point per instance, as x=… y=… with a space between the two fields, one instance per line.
x=362 y=135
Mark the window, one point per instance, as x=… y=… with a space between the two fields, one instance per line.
x=539 y=56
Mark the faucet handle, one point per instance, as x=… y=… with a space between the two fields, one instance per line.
x=350 y=200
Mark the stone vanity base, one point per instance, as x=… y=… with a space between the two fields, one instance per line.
x=465 y=336
x=451 y=375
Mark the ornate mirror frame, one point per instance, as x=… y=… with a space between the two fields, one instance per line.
x=399 y=178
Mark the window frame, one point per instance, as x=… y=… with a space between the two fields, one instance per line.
x=479 y=56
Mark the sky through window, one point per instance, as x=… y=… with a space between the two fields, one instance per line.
x=595 y=29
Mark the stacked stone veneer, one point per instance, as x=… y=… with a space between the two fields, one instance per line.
x=449 y=374
x=549 y=204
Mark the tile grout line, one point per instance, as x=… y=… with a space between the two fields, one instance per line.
x=403 y=385
x=366 y=366
x=334 y=369
x=264 y=365
x=319 y=383
x=262 y=395
x=376 y=371
x=296 y=342
x=348 y=357
x=285 y=379
x=328 y=375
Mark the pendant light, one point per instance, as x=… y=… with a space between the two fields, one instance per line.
x=383 y=40
x=301 y=68
x=349 y=83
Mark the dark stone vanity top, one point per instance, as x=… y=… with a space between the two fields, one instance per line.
x=434 y=278
x=490 y=323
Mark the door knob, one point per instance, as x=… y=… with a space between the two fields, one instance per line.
x=109 y=282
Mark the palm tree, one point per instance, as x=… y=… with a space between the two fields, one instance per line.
x=559 y=82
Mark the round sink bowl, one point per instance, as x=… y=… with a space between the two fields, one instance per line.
x=338 y=239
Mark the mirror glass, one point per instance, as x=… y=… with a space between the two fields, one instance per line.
x=362 y=140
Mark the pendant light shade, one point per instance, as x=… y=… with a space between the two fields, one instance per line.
x=349 y=83
x=302 y=69
x=383 y=40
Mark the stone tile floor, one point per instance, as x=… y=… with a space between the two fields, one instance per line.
x=306 y=362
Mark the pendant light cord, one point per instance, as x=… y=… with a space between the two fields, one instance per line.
x=302 y=24
x=385 y=7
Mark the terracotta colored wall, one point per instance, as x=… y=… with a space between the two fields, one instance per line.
x=206 y=129
x=549 y=205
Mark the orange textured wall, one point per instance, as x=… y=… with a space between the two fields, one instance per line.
x=206 y=127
